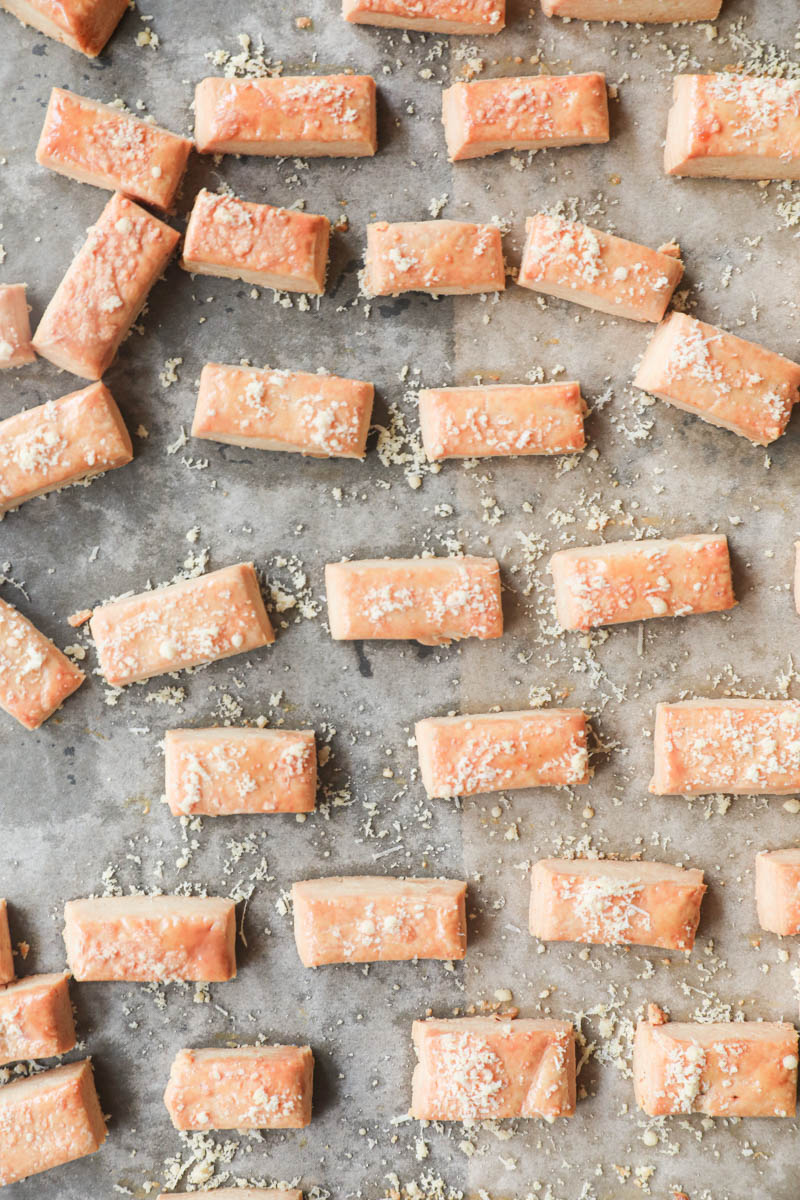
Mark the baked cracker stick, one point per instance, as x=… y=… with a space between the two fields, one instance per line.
x=104 y=289
x=151 y=938
x=629 y=581
x=363 y=919
x=321 y=416
x=83 y=25
x=443 y=258
x=488 y=1068
x=49 y=1119
x=612 y=903
x=745 y=747
x=633 y=10
x=252 y=1087
x=61 y=442
x=722 y=1069
x=727 y=381
x=432 y=600
x=778 y=890
x=102 y=145
x=571 y=261
x=35 y=677
x=473 y=17
x=15 y=326
x=306 y=115
x=219 y=772
x=493 y=752
x=36 y=1018
x=483 y=422
x=535 y=112
x=734 y=127
x=272 y=247
x=182 y=625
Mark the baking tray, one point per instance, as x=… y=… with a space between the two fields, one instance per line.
x=81 y=807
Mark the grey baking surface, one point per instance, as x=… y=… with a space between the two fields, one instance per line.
x=83 y=794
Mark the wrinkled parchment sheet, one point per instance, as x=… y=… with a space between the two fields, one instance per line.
x=81 y=801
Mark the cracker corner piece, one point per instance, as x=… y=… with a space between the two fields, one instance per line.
x=733 y=126
x=472 y=17
x=683 y=1068
x=105 y=288
x=250 y=1087
x=36 y=678
x=48 y=1119
x=16 y=349
x=199 y=620
x=490 y=1068
x=638 y=11
x=83 y=25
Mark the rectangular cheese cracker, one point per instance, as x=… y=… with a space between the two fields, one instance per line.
x=219 y=772
x=610 y=903
x=102 y=145
x=252 y=1087
x=306 y=115
x=633 y=580
x=321 y=416
x=734 y=126
x=493 y=752
x=535 y=112
x=743 y=747
x=432 y=600
x=662 y=11
x=151 y=938
x=443 y=258
x=727 y=381
x=722 y=1069
x=104 y=289
x=364 y=919
x=171 y=628
x=48 y=1119
x=488 y=1068
x=571 y=261
x=59 y=443
x=473 y=17
x=278 y=248
x=506 y=419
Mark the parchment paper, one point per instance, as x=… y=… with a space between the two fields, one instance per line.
x=81 y=802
